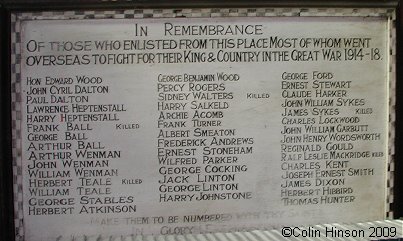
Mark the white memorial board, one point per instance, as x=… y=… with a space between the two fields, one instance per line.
x=178 y=126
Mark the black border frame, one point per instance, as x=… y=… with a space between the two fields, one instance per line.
x=40 y=5
x=7 y=7
x=398 y=182
x=6 y=169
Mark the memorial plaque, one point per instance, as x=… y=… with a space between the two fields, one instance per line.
x=195 y=125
